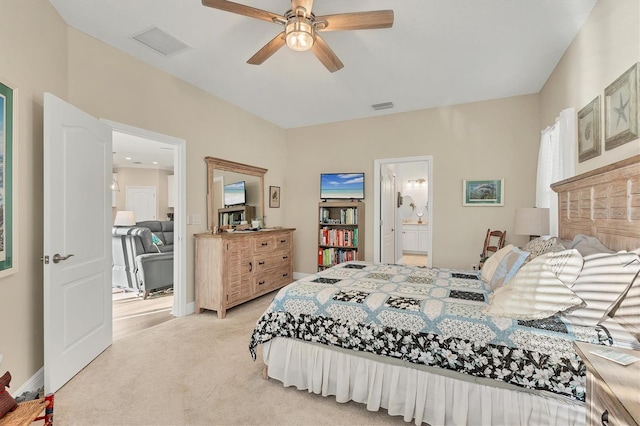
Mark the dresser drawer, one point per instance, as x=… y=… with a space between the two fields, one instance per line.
x=264 y=243
x=283 y=241
x=273 y=279
x=267 y=261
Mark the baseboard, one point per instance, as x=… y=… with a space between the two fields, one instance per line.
x=35 y=383
x=299 y=275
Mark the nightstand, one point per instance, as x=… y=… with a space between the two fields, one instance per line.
x=613 y=390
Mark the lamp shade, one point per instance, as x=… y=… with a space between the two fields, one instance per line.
x=531 y=221
x=124 y=218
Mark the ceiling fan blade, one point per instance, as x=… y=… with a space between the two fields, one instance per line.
x=324 y=53
x=269 y=49
x=241 y=9
x=306 y=4
x=356 y=21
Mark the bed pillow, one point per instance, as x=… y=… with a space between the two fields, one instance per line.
x=587 y=245
x=539 y=289
x=540 y=246
x=508 y=267
x=489 y=266
x=604 y=277
x=626 y=309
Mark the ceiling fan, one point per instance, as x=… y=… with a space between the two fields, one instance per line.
x=301 y=28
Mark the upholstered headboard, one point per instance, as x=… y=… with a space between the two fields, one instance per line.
x=604 y=203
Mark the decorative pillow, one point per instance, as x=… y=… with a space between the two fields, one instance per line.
x=587 y=245
x=508 y=267
x=604 y=277
x=539 y=246
x=7 y=402
x=5 y=379
x=626 y=309
x=156 y=240
x=490 y=265
x=538 y=290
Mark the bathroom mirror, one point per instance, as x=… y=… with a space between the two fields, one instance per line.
x=222 y=172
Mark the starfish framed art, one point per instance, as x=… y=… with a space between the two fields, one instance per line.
x=621 y=109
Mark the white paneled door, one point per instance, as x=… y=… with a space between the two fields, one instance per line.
x=387 y=215
x=77 y=240
x=141 y=200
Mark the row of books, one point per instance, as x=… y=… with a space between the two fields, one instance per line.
x=348 y=216
x=338 y=237
x=333 y=256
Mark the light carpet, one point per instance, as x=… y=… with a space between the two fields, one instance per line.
x=196 y=370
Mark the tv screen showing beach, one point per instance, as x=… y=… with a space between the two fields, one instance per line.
x=234 y=194
x=342 y=186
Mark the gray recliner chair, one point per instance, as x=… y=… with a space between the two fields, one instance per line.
x=138 y=263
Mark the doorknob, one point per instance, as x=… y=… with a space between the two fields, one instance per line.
x=57 y=258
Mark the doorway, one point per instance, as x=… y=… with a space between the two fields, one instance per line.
x=403 y=216
x=133 y=313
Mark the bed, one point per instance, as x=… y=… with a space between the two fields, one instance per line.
x=433 y=345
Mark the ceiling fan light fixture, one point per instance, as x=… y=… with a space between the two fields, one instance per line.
x=299 y=34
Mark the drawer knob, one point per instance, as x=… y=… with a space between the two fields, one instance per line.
x=285 y=257
x=283 y=241
x=261 y=263
x=285 y=274
x=261 y=282
x=265 y=244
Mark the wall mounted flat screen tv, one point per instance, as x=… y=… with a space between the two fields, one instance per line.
x=235 y=194
x=342 y=186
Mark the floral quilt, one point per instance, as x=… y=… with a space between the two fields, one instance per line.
x=429 y=316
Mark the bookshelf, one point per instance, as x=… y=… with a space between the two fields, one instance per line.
x=232 y=216
x=340 y=232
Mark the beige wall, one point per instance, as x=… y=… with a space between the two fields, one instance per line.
x=494 y=139
x=606 y=46
x=499 y=138
x=33 y=60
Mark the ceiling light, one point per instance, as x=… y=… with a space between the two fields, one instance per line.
x=300 y=34
x=155 y=162
x=127 y=158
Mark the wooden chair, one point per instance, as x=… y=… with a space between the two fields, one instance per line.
x=493 y=242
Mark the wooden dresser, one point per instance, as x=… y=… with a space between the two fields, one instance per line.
x=233 y=268
x=613 y=390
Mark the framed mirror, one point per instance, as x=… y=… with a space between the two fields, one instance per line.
x=224 y=172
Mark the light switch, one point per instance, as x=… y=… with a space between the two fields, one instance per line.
x=197 y=219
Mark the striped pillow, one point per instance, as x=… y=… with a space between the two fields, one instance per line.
x=603 y=278
x=508 y=267
x=626 y=310
x=539 y=289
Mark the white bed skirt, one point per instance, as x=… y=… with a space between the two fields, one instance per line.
x=414 y=394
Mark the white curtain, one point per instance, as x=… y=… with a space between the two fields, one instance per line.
x=556 y=161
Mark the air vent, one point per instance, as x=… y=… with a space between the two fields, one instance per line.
x=384 y=105
x=160 y=42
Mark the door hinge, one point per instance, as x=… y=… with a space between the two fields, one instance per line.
x=45 y=259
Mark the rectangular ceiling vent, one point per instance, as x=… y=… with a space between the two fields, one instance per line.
x=384 y=105
x=160 y=42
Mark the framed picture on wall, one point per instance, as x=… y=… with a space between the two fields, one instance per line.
x=6 y=181
x=621 y=109
x=589 y=131
x=274 y=197
x=483 y=192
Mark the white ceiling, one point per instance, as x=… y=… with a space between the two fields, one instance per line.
x=438 y=52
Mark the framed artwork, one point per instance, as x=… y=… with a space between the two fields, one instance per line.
x=621 y=109
x=6 y=178
x=274 y=197
x=589 y=145
x=483 y=192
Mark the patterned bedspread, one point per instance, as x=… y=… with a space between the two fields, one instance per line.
x=428 y=316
